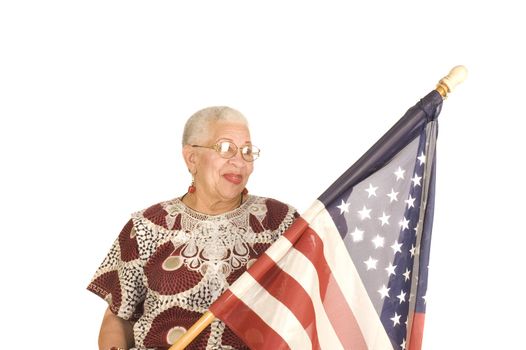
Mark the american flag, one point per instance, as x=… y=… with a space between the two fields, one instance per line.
x=351 y=272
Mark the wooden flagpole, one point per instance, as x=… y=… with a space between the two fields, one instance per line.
x=456 y=76
x=207 y=318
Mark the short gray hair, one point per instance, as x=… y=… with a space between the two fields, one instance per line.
x=197 y=126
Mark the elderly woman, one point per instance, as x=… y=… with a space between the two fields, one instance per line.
x=173 y=259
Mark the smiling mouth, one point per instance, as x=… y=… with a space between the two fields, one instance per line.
x=233 y=178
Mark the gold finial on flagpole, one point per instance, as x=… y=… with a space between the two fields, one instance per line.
x=456 y=76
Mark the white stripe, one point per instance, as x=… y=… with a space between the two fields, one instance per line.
x=279 y=248
x=302 y=270
x=313 y=211
x=348 y=278
x=275 y=314
x=244 y=282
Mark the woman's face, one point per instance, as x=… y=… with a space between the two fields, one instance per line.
x=222 y=179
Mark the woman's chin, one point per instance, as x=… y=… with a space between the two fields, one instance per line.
x=232 y=194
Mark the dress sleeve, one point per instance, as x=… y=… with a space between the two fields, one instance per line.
x=119 y=279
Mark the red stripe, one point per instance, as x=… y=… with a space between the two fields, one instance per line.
x=336 y=307
x=295 y=231
x=417 y=331
x=248 y=325
x=290 y=293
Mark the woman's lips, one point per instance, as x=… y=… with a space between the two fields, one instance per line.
x=233 y=178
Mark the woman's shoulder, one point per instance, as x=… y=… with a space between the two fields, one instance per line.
x=162 y=214
x=271 y=213
x=272 y=203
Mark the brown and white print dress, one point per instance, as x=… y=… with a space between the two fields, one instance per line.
x=169 y=263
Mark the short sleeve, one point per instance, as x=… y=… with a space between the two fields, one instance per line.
x=119 y=279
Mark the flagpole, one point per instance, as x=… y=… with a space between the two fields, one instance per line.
x=205 y=320
x=456 y=76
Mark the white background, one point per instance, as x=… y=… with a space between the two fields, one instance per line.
x=93 y=97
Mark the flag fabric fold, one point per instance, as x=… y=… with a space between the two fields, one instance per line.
x=351 y=272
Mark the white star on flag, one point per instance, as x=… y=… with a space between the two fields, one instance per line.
x=384 y=292
x=399 y=173
x=396 y=319
x=344 y=207
x=397 y=247
x=410 y=202
x=371 y=191
x=371 y=263
x=357 y=235
x=416 y=180
x=365 y=213
x=390 y=269
x=404 y=223
x=378 y=241
x=393 y=196
x=422 y=158
x=384 y=219
x=401 y=296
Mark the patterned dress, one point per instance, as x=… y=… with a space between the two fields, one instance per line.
x=169 y=263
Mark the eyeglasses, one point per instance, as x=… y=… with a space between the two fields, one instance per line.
x=227 y=149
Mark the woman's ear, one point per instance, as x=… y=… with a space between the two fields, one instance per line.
x=190 y=158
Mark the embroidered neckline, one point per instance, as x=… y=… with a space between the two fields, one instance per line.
x=177 y=206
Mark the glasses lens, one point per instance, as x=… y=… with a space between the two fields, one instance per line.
x=226 y=149
x=250 y=153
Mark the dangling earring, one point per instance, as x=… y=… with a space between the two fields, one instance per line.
x=191 y=188
x=245 y=191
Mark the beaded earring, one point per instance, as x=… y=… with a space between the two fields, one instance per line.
x=191 y=188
